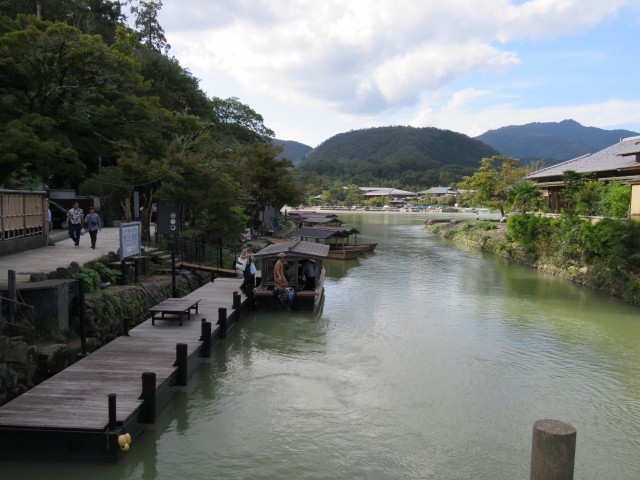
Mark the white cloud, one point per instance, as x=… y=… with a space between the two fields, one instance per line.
x=367 y=60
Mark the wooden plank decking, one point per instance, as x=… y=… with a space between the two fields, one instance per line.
x=72 y=409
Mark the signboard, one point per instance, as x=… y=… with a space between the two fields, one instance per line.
x=130 y=235
x=167 y=217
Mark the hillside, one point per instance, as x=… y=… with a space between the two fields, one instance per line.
x=396 y=156
x=554 y=141
x=294 y=151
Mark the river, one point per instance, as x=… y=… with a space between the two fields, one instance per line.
x=428 y=361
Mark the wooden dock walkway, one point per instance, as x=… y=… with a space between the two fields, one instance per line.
x=75 y=415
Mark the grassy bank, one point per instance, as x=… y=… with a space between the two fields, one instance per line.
x=599 y=257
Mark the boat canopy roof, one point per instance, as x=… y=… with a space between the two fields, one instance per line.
x=319 y=233
x=295 y=249
x=348 y=229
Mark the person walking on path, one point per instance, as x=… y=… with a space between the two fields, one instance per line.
x=94 y=225
x=74 y=220
x=249 y=276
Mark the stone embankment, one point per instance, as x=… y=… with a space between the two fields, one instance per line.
x=490 y=237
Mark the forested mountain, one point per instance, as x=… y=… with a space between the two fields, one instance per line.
x=405 y=157
x=553 y=142
x=294 y=151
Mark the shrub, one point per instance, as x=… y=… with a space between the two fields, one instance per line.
x=631 y=292
x=529 y=230
x=90 y=277
x=611 y=242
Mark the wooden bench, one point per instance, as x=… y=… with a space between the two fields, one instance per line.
x=177 y=307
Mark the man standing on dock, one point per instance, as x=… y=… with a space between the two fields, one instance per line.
x=279 y=277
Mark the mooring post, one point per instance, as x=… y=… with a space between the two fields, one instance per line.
x=125 y=326
x=250 y=301
x=553 y=450
x=136 y=269
x=112 y=411
x=11 y=279
x=83 y=321
x=173 y=275
x=222 y=321
x=181 y=363
x=148 y=397
x=202 y=322
x=205 y=352
x=236 y=300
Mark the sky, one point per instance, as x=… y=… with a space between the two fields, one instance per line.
x=317 y=68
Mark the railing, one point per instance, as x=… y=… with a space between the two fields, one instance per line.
x=201 y=253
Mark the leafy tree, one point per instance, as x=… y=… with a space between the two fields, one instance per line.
x=490 y=184
x=149 y=29
x=353 y=195
x=231 y=119
x=64 y=89
x=615 y=200
x=587 y=196
x=524 y=195
x=267 y=180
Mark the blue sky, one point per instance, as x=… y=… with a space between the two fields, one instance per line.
x=314 y=68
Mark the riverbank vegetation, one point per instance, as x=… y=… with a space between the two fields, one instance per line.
x=604 y=255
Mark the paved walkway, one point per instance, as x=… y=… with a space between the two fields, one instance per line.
x=61 y=254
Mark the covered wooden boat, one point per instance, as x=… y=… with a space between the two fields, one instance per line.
x=338 y=240
x=298 y=295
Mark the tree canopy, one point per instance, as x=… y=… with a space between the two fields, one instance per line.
x=88 y=103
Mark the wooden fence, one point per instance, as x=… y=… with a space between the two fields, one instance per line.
x=23 y=220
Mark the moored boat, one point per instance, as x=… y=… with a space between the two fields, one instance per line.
x=301 y=293
x=346 y=252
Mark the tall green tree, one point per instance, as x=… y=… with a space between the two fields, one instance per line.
x=490 y=184
x=64 y=89
x=524 y=195
x=147 y=25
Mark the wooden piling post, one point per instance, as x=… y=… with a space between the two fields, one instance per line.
x=181 y=363
x=174 y=290
x=236 y=300
x=148 y=397
x=222 y=321
x=553 y=450
x=82 y=317
x=112 y=411
x=205 y=352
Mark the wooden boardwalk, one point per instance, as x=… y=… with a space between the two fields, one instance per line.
x=68 y=416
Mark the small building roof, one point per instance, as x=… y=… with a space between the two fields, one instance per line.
x=388 y=192
x=616 y=158
x=439 y=191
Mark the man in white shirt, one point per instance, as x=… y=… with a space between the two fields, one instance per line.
x=75 y=216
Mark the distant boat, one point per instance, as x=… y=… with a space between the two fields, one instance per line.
x=337 y=237
x=296 y=296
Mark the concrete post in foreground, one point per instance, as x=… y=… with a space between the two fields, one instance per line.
x=553 y=450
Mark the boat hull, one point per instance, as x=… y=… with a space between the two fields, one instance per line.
x=346 y=252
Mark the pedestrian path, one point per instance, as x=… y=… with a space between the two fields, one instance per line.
x=59 y=255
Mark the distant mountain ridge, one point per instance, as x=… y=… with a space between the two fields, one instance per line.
x=292 y=150
x=553 y=142
x=397 y=156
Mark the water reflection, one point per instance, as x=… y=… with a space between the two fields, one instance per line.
x=429 y=360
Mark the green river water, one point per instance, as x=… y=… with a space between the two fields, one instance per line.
x=428 y=361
